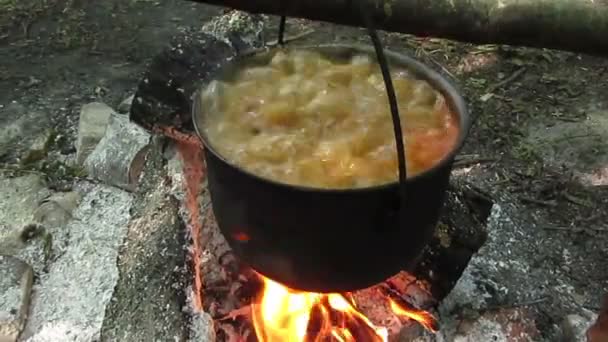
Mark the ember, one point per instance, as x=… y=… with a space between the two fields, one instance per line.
x=283 y=314
x=191 y=153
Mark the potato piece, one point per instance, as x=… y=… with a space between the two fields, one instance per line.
x=271 y=148
x=420 y=117
x=330 y=151
x=329 y=105
x=376 y=81
x=249 y=95
x=281 y=62
x=341 y=175
x=367 y=140
x=403 y=91
x=306 y=63
x=291 y=85
x=361 y=67
x=311 y=171
x=280 y=112
x=309 y=88
x=423 y=95
x=337 y=75
x=368 y=101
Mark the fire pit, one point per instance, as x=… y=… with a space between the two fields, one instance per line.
x=244 y=302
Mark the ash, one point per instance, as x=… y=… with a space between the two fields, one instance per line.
x=69 y=301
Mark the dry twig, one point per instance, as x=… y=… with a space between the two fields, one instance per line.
x=290 y=38
x=548 y=203
x=470 y=159
x=507 y=80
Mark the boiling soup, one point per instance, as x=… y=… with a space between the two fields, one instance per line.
x=307 y=120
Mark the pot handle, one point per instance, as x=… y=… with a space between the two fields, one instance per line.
x=392 y=101
x=390 y=92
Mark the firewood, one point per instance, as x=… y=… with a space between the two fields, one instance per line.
x=572 y=25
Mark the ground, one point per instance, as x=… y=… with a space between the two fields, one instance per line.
x=540 y=134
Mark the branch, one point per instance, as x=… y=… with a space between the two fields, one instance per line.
x=572 y=25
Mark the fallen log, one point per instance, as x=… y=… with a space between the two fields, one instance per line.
x=572 y=25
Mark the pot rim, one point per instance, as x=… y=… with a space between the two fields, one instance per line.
x=439 y=82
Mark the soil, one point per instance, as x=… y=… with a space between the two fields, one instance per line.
x=540 y=135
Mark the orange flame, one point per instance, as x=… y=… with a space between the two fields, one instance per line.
x=283 y=314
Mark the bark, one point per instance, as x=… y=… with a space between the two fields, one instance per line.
x=574 y=25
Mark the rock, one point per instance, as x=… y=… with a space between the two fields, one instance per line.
x=70 y=300
x=38 y=147
x=94 y=118
x=148 y=302
x=125 y=106
x=19 y=198
x=574 y=327
x=56 y=211
x=119 y=157
x=249 y=27
x=502 y=325
x=164 y=96
x=16 y=279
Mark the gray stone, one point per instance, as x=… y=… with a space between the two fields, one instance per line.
x=148 y=302
x=574 y=327
x=70 y=299
x=94 y=118
x=125 y=105
x=19 y=198
x=119 y=157
x=250 y=27
x=56 y=211
x=16 y=279
x=38 y=147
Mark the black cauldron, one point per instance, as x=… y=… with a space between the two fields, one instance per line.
x=324 y=240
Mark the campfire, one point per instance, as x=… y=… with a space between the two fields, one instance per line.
x=247 y=306
x=250 y=307
x=283 y=314
x=268 y=311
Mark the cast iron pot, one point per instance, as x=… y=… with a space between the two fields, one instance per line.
x=325 y=240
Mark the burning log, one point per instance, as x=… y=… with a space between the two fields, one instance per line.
x=573 y=25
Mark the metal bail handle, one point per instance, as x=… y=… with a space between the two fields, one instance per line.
x=392 y=99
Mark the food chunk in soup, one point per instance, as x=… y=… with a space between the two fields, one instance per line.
x=307 y=120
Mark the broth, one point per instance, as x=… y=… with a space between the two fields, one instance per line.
x=307 y=120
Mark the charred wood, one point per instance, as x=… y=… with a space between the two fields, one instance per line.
x=163 y=99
